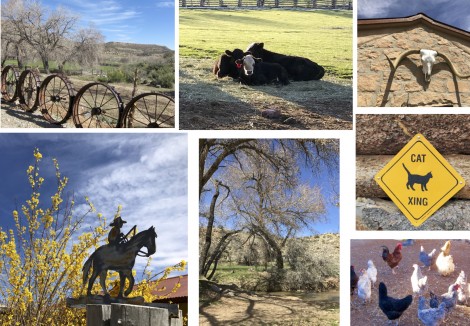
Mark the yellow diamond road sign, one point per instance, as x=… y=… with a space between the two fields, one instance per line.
x=419 y=180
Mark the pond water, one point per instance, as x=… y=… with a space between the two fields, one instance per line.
x=327 y=300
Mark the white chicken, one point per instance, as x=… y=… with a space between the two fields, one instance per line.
x=445 y=262
x=372 y=272
x=462 y=291
x=418 y=281
x=364 y=286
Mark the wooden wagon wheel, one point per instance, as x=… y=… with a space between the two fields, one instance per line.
x=28 y=89
x=10 y=76
x=56 y=96
x=97 y=105
x=150 y=110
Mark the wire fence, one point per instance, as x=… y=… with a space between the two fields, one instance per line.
x=313 y=4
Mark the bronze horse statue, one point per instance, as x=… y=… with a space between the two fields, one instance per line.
x=120 y=258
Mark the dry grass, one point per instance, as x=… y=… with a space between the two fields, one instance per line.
x=208 y=103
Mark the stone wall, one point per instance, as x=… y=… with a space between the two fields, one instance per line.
x=379 y=86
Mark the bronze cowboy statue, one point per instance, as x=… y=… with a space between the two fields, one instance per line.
x=115 y=235
x=119 y=255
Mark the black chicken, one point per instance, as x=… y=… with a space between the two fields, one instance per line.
x=391 y=307
x=354 y=279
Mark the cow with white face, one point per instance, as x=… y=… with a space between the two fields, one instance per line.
x=253 y=71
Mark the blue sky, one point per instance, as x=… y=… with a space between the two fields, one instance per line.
x=145 y=173
x=454 y=12
x=141 y=21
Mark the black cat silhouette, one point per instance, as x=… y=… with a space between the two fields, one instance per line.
x=415 y=178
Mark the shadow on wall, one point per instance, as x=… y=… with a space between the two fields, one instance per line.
x=418 y=74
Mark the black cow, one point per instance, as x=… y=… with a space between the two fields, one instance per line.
x=298 y=68
x=253 y=71
x=225 y=65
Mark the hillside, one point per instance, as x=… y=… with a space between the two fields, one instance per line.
x=143 y=50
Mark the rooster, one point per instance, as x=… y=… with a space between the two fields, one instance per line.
x=430 y=316
x=426 y=258
x=354 y=279
x=372 y=272
x=363 y=286
x=391 y=307
x=449 y=298
x=394 y=258
x=418 y=281
x=445 y=262
x=462 y=291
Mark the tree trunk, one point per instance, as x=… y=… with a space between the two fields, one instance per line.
x=45 y=64
x=208 y=237
x=273 y=244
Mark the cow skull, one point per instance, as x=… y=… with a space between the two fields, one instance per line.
x=428 y=58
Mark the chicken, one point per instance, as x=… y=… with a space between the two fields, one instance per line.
x=434 y=301
x=430 y=316
x=354 y=279
x=391 y=307
x=363 y=286
x=392 y=259
x=445 y=262
x=425 y=258
x=418 y=281
x=462 y=291
x=449 y=298
x=372 y=272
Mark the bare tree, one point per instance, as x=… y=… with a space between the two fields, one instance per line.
x=41 y=28
x=84 y=47
x=271 y=205
x=280 y=157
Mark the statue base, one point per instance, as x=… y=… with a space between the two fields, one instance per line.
x=82 y=301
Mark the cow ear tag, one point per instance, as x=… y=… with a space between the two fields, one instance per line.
x=419 y=180
x=239 y=65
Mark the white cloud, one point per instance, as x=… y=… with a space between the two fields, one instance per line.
x=150 y=182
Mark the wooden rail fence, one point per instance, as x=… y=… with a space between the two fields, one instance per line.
x=313 y=4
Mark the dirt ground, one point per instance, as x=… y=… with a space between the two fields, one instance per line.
x=209 y=103
x=399 y=285
x=243 y=308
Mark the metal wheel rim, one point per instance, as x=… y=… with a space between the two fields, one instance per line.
x=55 y=97
x=29 y=84
x=9 y=78
x=97 y=105
x=150 y=110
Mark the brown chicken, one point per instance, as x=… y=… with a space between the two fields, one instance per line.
x=394 y=258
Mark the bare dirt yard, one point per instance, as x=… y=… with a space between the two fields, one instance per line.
x=399 y=285
x=224 y=104
x=249 y=308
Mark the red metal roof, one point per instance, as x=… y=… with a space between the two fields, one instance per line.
x=165 y=287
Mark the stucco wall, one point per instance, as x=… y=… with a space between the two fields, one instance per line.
x=378 y=86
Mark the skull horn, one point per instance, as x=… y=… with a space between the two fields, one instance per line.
x=452 y=66
x=403 y=55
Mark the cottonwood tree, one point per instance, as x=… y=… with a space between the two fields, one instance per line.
x=219 y=155
x=41 y=28
x=84 y=47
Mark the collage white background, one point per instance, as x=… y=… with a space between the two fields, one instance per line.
x=347 y=183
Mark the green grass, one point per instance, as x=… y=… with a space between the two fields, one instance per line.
x=322 y=36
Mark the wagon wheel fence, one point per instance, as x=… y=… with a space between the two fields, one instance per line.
x=308 y=4
x=95 y=105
